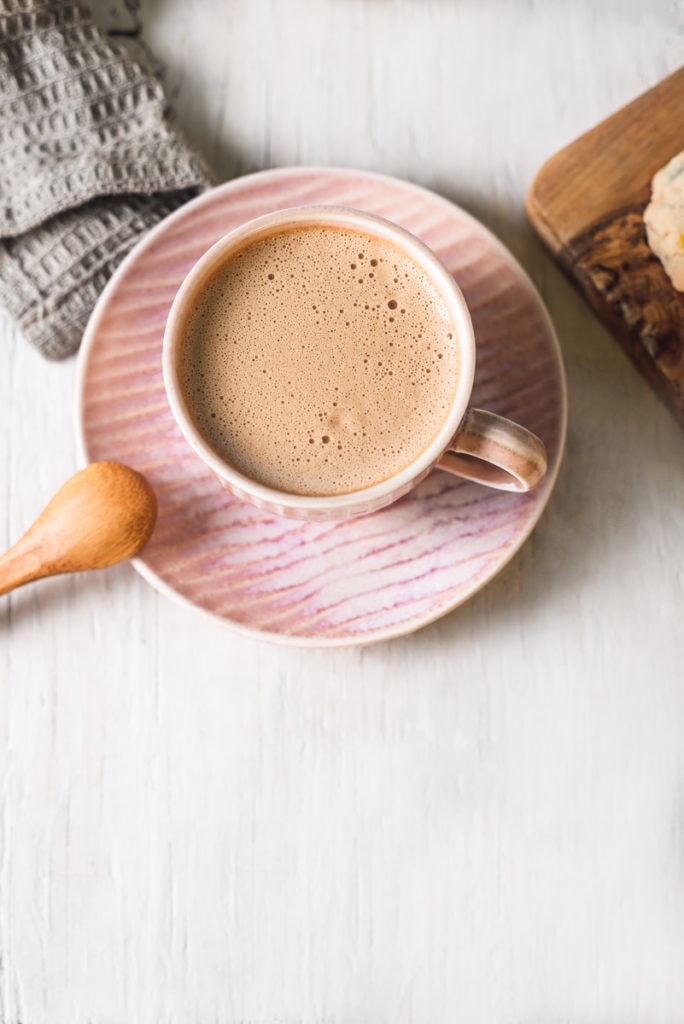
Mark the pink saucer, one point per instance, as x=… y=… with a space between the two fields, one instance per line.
x=315 y=584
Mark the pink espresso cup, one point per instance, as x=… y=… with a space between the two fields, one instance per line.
x=471 y=443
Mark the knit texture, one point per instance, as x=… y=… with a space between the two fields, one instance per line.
x=89 y=161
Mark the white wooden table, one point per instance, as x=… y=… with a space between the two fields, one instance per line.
x=483 y=822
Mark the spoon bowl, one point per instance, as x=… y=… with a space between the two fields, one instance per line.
x=102 y=515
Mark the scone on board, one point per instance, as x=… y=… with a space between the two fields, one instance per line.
x=664 y=219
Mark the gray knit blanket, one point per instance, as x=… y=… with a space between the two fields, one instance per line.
x=89 y=161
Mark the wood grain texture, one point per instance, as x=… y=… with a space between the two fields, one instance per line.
x=587 y=203
x=478 y=823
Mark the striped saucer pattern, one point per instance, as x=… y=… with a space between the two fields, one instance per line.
x=319 y=584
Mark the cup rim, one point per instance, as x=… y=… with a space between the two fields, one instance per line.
x=330 y=216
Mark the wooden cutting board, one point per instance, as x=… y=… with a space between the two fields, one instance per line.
x=587 y=204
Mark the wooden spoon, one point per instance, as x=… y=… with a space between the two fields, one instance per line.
x=99 y=517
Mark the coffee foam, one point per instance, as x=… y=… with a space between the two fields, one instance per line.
x=319 y=361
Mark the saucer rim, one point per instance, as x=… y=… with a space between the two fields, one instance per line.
x=398 y=629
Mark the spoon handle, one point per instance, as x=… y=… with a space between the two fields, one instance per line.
x=21 y=564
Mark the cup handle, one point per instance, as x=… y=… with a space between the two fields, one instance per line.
x=495 y=451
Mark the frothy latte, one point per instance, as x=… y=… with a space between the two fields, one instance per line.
x=319 y=360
